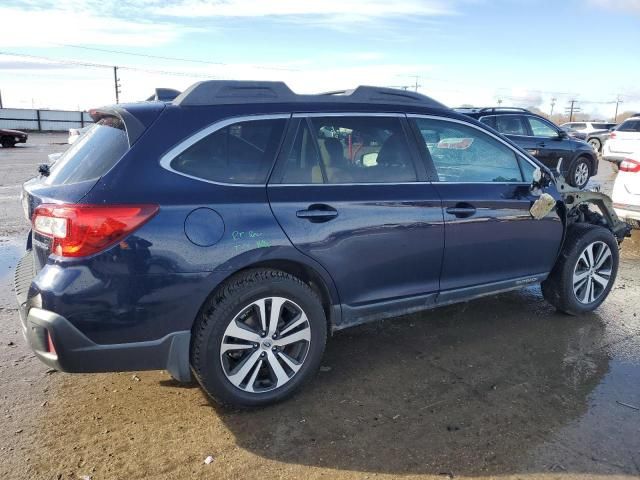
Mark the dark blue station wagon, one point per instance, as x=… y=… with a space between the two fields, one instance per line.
x=225 y=234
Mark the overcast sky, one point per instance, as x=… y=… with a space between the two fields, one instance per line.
x=525 y=52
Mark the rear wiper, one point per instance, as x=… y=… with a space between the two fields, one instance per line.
x=43 y=169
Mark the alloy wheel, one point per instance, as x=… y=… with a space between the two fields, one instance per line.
x=592 y=272
x=265 y=345
x=581 y=175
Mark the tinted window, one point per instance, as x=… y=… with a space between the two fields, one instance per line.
x=629 y=126
x=603 y=126
x=541 y=128
x=465 y=154
x=511 y=125
x=239 y=153
x=92 y=155
x=350 y=149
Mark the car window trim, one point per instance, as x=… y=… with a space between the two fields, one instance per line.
x=487 y=132
x=414 y=153
x=173 y=152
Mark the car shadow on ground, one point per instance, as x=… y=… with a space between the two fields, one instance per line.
x=466 y=390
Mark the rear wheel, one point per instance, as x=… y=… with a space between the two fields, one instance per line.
x=8 y=142
x=585 y=271
x=580 y=173
x=259 y=339
x=595 y=144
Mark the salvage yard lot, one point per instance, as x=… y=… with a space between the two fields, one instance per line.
x=502 y=386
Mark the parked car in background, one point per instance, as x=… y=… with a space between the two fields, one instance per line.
x=75 y=133
x=588 y=127
x=597 y=139
x=232 y=247
x=623 y=141
x=626 y=190
x=9 y=138
x=543 y=139
x=574 y=133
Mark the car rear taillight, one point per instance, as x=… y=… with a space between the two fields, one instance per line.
x=82 y=230
x=628 y=165
x=612 y=135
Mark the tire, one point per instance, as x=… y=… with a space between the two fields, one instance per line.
x=246 y=374
x=580 y=172
x=559 y=288
x=595 y=144
x=8 y=142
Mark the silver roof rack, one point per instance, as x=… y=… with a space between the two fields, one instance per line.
x=221 y=92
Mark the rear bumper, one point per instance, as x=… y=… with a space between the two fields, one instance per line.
x=75 y=352
x=613 y=158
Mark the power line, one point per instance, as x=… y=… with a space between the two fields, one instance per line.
x=102 y=65
x=177 y=59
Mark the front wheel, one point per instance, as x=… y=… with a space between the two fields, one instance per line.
x=580 y=173
x=8 y=142
x=585 y=271
x=259 y=339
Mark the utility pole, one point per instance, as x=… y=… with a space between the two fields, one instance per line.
x=553 y=104
x=615 y=117
x=572 y=109
x=116 y=81
x=1 y=99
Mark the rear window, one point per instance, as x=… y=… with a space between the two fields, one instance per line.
x=629 y=126
x=241 y=153
x=92 y=155
x=603 y=126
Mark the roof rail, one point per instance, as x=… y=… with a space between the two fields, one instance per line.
x=163 y=95
x=217 y=92
x=503 y=109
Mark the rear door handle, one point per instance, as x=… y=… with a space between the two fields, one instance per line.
x=318 y=213
x=462 y=210
x=542 y=144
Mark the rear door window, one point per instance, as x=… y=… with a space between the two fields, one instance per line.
x=350 y=149
x=92 y=155
x=511 y=125
x=629 y=126
x=240 y=153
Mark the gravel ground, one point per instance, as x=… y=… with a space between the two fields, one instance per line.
x=498 y=387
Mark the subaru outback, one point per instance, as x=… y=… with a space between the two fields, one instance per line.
x=226 y=234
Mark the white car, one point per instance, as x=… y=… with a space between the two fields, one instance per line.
x=74 y=133
x=588 y=127
x=623 y=141
x=626 y=190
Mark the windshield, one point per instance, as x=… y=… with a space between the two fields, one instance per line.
x=92 y=155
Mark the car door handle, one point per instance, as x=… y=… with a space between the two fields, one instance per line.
x=318 y=213
x=542 y=144
x=462 y=210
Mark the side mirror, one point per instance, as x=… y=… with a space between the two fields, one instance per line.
x=562 y=134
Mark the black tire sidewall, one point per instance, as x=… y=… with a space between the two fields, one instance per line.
x=582 y=238
x=597 y=143
x=208 y=369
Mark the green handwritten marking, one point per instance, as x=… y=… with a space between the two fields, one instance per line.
x=239 y=235
x=263 y=243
